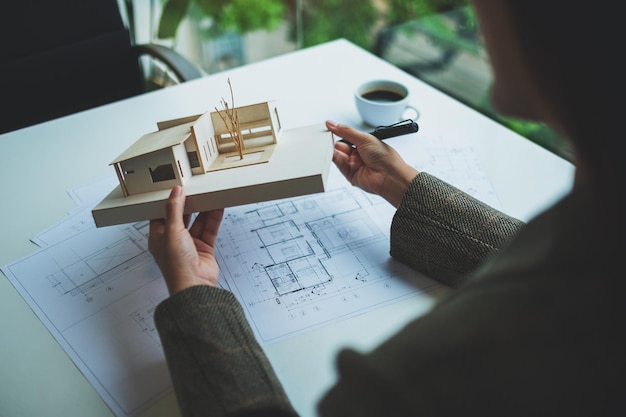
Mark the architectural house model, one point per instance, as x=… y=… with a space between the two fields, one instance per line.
x=217 y=166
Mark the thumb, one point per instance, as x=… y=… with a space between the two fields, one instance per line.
x=350 y=134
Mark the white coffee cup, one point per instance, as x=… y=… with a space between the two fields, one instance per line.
x=383 y=102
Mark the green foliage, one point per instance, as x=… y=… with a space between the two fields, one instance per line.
x=450 y=28
x=226 y=15
x=174 y=11
x=322 y=20
x=401 y=11
x=249 y=15
x=325 y=20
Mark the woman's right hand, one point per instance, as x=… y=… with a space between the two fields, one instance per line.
x=371 y=164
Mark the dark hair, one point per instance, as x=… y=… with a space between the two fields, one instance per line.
x=574 y=52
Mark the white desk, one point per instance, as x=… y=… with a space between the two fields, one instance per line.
x=39 y=164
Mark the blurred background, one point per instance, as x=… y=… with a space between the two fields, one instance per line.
x=435 y=40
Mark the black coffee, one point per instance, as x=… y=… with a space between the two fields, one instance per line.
x=382 y=95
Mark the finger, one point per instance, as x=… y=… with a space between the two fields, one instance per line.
x=352 y=135
x=156 y=231
x=341 y=160
x=174 y=208
x=212 y=226
x=206 y=226
x=343 y=147
x=156 y=226
x=341 y=152
x=186 y=220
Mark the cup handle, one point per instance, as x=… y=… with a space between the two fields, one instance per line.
x=410 y=112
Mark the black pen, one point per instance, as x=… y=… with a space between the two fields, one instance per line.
x=397 y=129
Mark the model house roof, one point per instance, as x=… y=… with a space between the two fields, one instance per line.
x=155 y=141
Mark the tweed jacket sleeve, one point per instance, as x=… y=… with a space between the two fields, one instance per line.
x=445 y=233
x=217 y=366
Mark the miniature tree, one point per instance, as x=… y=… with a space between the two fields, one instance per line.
x=230 y=117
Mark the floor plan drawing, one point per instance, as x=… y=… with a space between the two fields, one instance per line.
x=96 y=290
x=103 y=264
x=310 y=260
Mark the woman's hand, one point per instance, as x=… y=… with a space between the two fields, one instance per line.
x=371 y=164
x=186 y=257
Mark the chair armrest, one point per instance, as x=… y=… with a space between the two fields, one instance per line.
x=182 y=67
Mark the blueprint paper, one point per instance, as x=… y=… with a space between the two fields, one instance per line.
x=305 y=262
x=294 y=265
x=95 y=291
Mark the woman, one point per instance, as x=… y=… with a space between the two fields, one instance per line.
x=535 y=325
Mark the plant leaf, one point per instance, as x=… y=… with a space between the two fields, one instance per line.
x=174 y=11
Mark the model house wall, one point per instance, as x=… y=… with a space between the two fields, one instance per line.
x=196 y=145
x=260 y=126
x=202 y=146
x=156 y=171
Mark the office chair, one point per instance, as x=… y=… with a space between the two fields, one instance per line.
x=63 y=56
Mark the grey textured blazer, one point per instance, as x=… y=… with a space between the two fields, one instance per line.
x=531 y=328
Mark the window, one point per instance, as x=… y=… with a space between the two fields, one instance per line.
x=162 y=173
x=193 y=159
